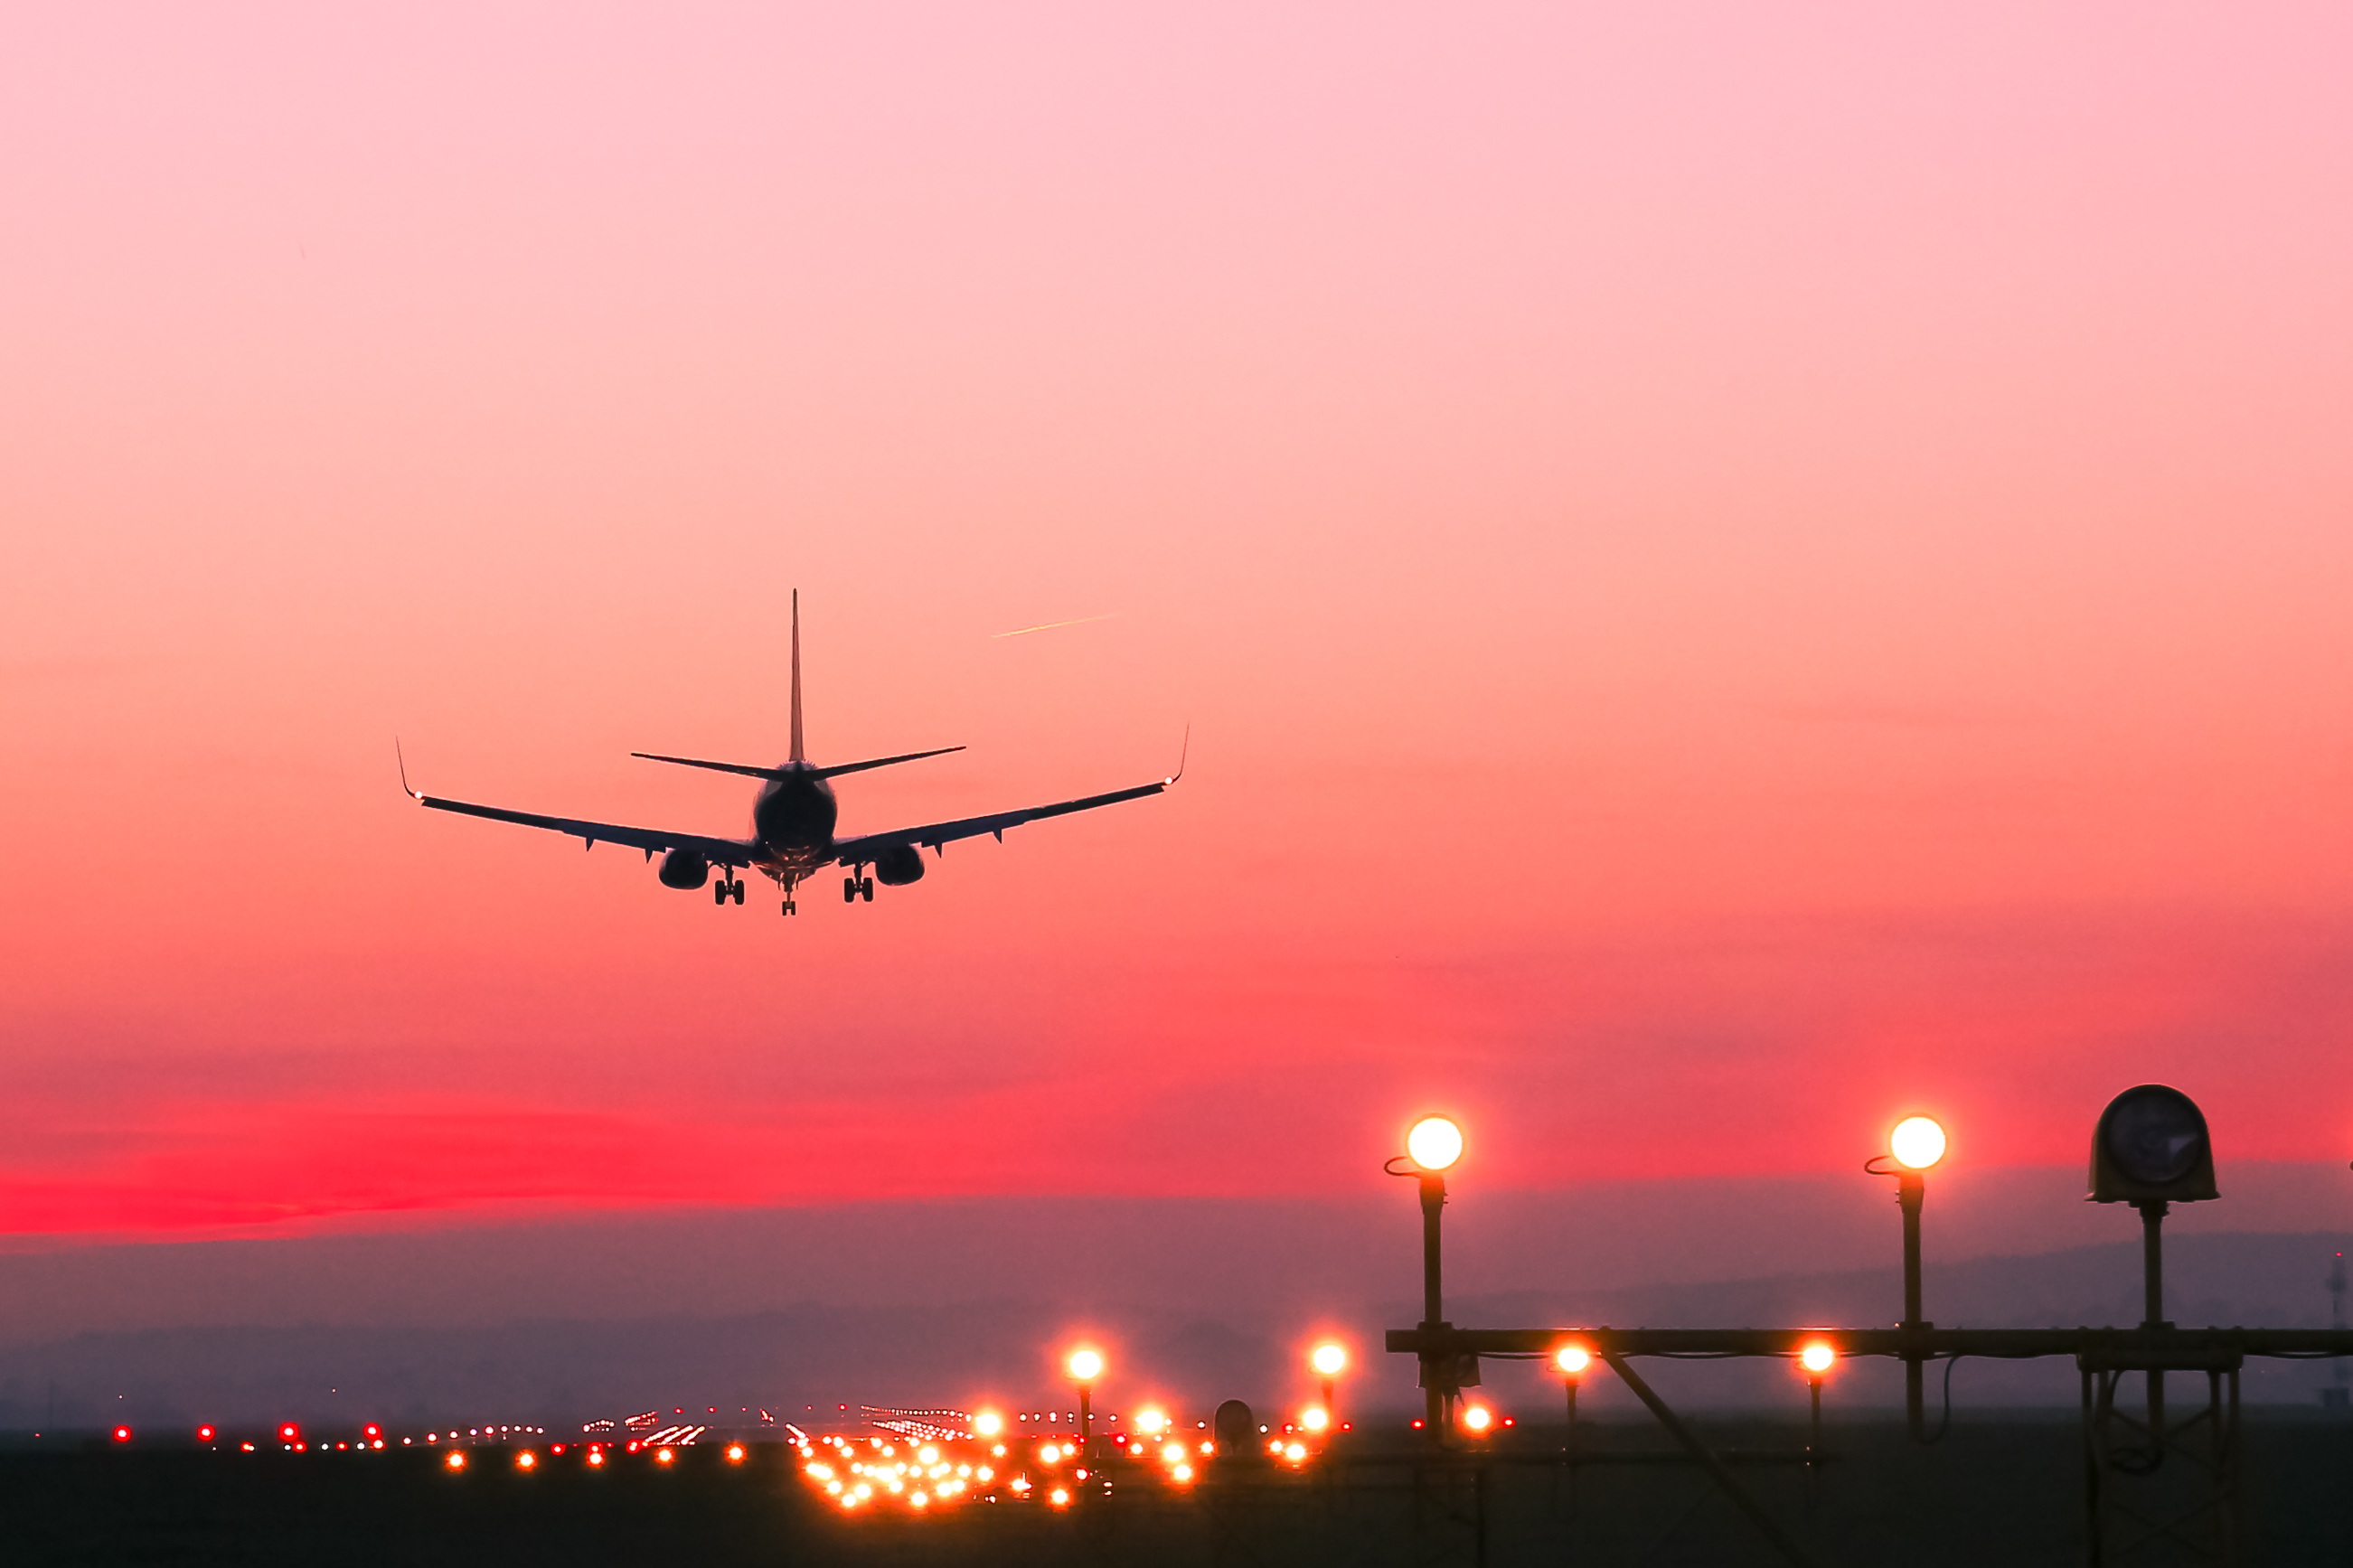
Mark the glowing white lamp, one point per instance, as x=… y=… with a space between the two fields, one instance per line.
x=1434 y=1144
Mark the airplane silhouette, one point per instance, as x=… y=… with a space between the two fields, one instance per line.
x=792 y=822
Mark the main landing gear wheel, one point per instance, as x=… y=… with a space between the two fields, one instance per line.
x=850 y=890
x=739 y=892
x=718 y=892
x=865 y=889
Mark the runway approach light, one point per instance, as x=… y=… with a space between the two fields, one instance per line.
x=1917 y=1142
x=988 y=1423
x=2151 y=1147
x=1434 y=1144
x=1816 y=1358
x=1478 y=1418
x=1572 y=1360
x=1085 y=1366
x=1329 y=1360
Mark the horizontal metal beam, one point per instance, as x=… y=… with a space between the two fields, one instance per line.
x=2211 y=1348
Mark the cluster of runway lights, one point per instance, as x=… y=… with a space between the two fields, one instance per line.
x=865 y=1474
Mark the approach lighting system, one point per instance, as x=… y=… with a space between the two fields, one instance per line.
x=1435 y=1143
x=988 y=1423
x=1478 y=1418
x=1329 y=1360
x=1571 y=1361
x=1917 y=1142
x=1085 y=1365
x=1816 y=1358
x=2151 y=1147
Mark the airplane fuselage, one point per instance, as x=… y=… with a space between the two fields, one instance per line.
x=793 y=818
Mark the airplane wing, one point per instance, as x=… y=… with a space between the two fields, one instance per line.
x=932 y=835
x=718 y=851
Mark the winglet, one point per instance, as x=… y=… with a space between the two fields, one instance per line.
x=404 y=770
x=800 y=754
x=1182 y=754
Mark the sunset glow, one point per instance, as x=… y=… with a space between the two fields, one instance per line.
x=1730 y=570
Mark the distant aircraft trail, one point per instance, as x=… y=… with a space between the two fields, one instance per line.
x=1054 y=626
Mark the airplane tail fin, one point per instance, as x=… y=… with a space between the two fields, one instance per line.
x=800 y=751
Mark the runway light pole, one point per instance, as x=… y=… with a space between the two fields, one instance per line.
x=1570 y=1361
x=1329 y=1360
x=1816 y=1359
x=1917 y=1143
x=1432 y=1146
x=1085 y=1366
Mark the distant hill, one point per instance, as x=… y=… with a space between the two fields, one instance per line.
x=962 y=1347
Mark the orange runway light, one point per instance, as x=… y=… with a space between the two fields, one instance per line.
x=1086 y=1365
x=988 y=1423
x=1572 y=1360
x=596 y=1457
x=1478 y=1418
x=1818 y=1357
x=457 y=1459
x=1329 y=1360
x=526 y=1460
x=1314 y=1418
x=664 y=1457
x=735 y=1453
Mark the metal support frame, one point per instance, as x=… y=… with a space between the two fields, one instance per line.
x=2206 y=1445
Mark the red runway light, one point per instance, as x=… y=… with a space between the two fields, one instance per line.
x=123 y=1434
x=372 y=1430
x=204 y=1434
x=289 y=1432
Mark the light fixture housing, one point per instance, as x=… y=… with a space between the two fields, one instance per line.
x=2151 y=1146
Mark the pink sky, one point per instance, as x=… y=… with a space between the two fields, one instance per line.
x=1734 y=572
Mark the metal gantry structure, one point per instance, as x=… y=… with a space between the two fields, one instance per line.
x=2151 y=1149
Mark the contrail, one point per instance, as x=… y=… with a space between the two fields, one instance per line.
x=1051 y=626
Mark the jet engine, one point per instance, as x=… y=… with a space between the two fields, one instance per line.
x=899 y=864
x=684 y=869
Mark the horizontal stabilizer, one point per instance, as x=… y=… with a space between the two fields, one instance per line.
x=746 y=769
x=791 y=771
x=884 y=761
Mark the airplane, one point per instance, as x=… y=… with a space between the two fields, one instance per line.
x=792 y=822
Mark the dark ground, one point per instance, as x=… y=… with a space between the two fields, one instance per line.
x=1997 y=1491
